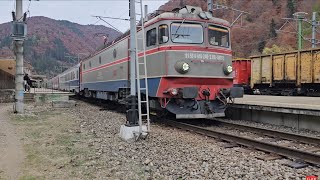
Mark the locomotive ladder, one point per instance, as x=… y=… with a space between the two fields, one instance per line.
x=141 y=71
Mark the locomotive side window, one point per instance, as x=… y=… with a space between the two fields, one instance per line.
x=151 y=37
x=218 y=36
x=186 y=33
x=163 y=34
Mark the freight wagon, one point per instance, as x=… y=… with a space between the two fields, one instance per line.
x=242 y=74
x=290 y=73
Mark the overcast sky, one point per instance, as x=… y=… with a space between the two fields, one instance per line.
x=77 y=11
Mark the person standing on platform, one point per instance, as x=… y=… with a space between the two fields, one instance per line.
x=27 y=82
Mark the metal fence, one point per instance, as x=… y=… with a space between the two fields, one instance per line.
x=45 y=87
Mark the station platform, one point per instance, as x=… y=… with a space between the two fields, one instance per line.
x=46 y=91
x=296 y=102
x=43 y=95
x=294 y=111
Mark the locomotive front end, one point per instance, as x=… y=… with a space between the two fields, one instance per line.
x=197 y=81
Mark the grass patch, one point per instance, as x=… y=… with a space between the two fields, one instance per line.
x=53 y=148
x=27 y=177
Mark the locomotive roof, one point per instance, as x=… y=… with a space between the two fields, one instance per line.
x=183 y=13
x=187 y=16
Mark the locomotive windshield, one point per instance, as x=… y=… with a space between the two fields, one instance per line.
x=186 y=33
x=218 y=36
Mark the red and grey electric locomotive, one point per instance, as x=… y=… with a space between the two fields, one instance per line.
x=189 y=62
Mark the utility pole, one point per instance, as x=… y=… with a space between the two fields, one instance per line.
x=314 y=25
x=210 y=6
x=300 y=33
x=132 y=113
x=18 y=49
x=300 y=16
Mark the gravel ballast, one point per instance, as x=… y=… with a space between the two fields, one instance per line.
x=170 y=153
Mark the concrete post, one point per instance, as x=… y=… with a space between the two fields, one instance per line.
x=132 y=116
x=19 y=90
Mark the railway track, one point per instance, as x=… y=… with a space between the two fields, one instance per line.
x=273 y=133
x=306 y=156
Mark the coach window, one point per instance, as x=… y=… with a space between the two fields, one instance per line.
x=163 y=34
x=84 y=66
x=151 y=37
x=99 y=59
x=90 y=64
x=218 y=36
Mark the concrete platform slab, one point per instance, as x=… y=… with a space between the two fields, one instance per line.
x=292 y=111
x=295 y=102
x=47 y=91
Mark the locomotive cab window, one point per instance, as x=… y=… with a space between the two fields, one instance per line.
x=151 y=37
x=218 y=36
x=186 y=33
x=163 y=34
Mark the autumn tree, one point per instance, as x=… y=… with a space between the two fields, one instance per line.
x=273 y=50
x=276 y=49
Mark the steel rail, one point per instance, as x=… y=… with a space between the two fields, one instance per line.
x=263 y=146
x=274 y=133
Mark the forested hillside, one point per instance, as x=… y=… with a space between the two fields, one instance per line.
x=49 y=41
x=258 y=29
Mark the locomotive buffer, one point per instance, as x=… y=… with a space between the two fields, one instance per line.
x=138 y=122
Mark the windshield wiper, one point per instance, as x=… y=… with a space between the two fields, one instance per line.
x=177 y=35
x=178 y=28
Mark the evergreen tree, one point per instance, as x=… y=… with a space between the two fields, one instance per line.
x=291 y=5
x=261 y=45
x=275 y=2
x=272 y=33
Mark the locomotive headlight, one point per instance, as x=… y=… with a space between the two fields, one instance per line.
x=185 y=66
x=182 y=67
x=228 y=70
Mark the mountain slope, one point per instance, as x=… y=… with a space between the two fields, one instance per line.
x=49 y=41
x=256 y=31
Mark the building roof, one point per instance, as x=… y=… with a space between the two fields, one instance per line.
x=8 y=65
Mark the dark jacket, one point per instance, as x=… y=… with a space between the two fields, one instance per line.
x=26 y=78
